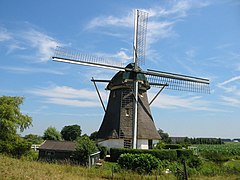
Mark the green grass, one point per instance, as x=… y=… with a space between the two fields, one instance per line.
x=28 y=168
x=11 y=168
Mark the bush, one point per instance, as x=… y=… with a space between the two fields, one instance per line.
x=170 y=155
x=215 y=156
x=84 y=147
x=17 y=147
x=142 y=163
x=103 y=151
x=194 y=162
x=172 y=146
x=184 y=153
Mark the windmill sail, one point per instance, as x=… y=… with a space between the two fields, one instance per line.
x=177 y=81
x=75 y=57
x=141 y=31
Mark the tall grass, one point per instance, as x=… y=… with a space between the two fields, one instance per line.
x=25 y=168
x=11 y=168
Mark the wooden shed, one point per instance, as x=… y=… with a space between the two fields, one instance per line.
x=56 y=150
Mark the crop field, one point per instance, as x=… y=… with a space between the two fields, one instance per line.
x=227 y=149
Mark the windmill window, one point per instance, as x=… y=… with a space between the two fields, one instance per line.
x=127 y=112
x=114 y=94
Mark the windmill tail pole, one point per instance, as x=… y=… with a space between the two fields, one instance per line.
x=99 y=94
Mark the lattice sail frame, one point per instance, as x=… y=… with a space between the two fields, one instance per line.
x=141 y=36
x=176 y=84
x=75 y=57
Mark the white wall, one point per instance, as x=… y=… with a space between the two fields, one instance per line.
x=112 y=143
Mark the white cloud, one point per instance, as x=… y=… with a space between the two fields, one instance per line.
x=68 y=96
x=4 y=35
x=73 y=102
x=167 y=101
x=33 y=44
x=237 y=78
x=30 y=70
x=161 y=18
x=231 y=101
x=64 y=92
x=103 y=21
x=43 y=43
x=231 y=85
x=195 y=103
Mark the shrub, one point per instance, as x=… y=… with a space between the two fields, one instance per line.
x=194 y=162
x=165 y=154
x=215 y=156
x=84 y=147
x=16 y=147
x=172 y=146
x=103 y=151
x=170 y=155
x=142 y=163
x=184 y=153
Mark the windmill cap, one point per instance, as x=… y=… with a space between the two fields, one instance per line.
x=124 y=79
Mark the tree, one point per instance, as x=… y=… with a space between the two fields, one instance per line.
x=12 y=120
x=84 y=147
x=93 y=136
x=165 y=137
x=51 y=133
x=33 y=138
x=71 y=133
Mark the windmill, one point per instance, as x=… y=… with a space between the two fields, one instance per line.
x=127 y=116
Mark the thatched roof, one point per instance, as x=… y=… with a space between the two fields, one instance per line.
x=117 y=122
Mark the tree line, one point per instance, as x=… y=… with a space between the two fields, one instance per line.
x=13 y=120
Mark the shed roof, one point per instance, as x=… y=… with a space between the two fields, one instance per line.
x=58 y=145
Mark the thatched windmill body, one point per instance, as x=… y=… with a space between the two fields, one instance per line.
x=128 y=121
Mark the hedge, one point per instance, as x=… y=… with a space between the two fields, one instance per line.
x=170 y=155
x=172 y=146
x=184 y=153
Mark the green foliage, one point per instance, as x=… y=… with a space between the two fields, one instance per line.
x=214 y=169
x=11 y=118
x=184 y=153
x=84 y=147
x=159 y=145
x=142 y=163
x=165 y=137
x=231 y=150
x=172 y=146
x=51 y=133
x=33 y=138
x=215 y=156
x=93 y=136
x=187 y=140
x=194 y=161
x=17 y=147
x=71 y=133
x=103 y=151
x=170 y=155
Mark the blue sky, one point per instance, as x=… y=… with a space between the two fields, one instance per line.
x=196 y=38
